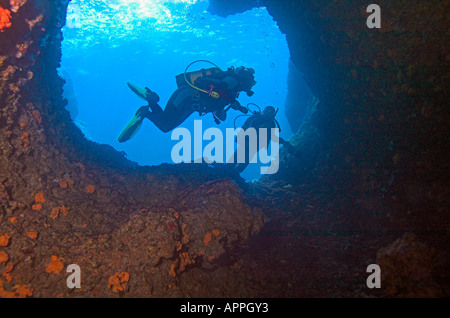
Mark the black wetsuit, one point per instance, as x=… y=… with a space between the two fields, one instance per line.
x=257 y=121
x=186 y=100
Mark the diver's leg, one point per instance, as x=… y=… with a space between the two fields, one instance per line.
x=240 y=166
x=153 y=100
x=171 y=117
x=156 y=109
x=178 y=109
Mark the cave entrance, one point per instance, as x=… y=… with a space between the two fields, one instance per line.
x=148 y=43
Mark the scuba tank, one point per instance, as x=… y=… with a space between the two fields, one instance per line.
x=255 y=115
x=190 y=77
x=184 y=79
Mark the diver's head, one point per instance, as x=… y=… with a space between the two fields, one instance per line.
x=269 y=113
x=247 y=78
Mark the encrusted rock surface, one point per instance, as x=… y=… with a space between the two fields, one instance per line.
x=409 y=268
x=65 y=200
x=374 y=165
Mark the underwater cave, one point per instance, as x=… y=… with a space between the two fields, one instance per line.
x=107 y=44
x=369 y=184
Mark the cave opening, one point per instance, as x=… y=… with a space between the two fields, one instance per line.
x=370 y=186
x=107 y=44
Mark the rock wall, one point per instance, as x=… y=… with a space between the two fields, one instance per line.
x=380 y=126
x=300 y=102
x=379 y=138
x=134 y=231
x=382 y=91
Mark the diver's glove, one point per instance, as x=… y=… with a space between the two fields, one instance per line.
x=143 y=111
x=151 y=96
x=237 y=106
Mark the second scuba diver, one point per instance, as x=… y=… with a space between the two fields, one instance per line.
x=205 y=91
x=265 y=119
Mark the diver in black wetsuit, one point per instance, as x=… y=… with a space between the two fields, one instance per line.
x=217 y=91
x=264 y=119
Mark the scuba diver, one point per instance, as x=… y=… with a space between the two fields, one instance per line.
x=205 y=91
x=258 y=119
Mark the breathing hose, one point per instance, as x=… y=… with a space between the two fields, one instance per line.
x=211 y=93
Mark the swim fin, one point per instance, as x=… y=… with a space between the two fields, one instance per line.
x=135 y=124
x=131 y=129
x=142 y=93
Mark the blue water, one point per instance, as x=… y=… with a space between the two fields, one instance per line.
x=148 y=43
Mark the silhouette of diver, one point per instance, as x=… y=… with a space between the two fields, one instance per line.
x=205 y=91
x=264 y=119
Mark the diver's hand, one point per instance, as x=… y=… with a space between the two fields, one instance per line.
x=151 y=96
x=221 y=114
x=237 y=106
x=143 y=111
